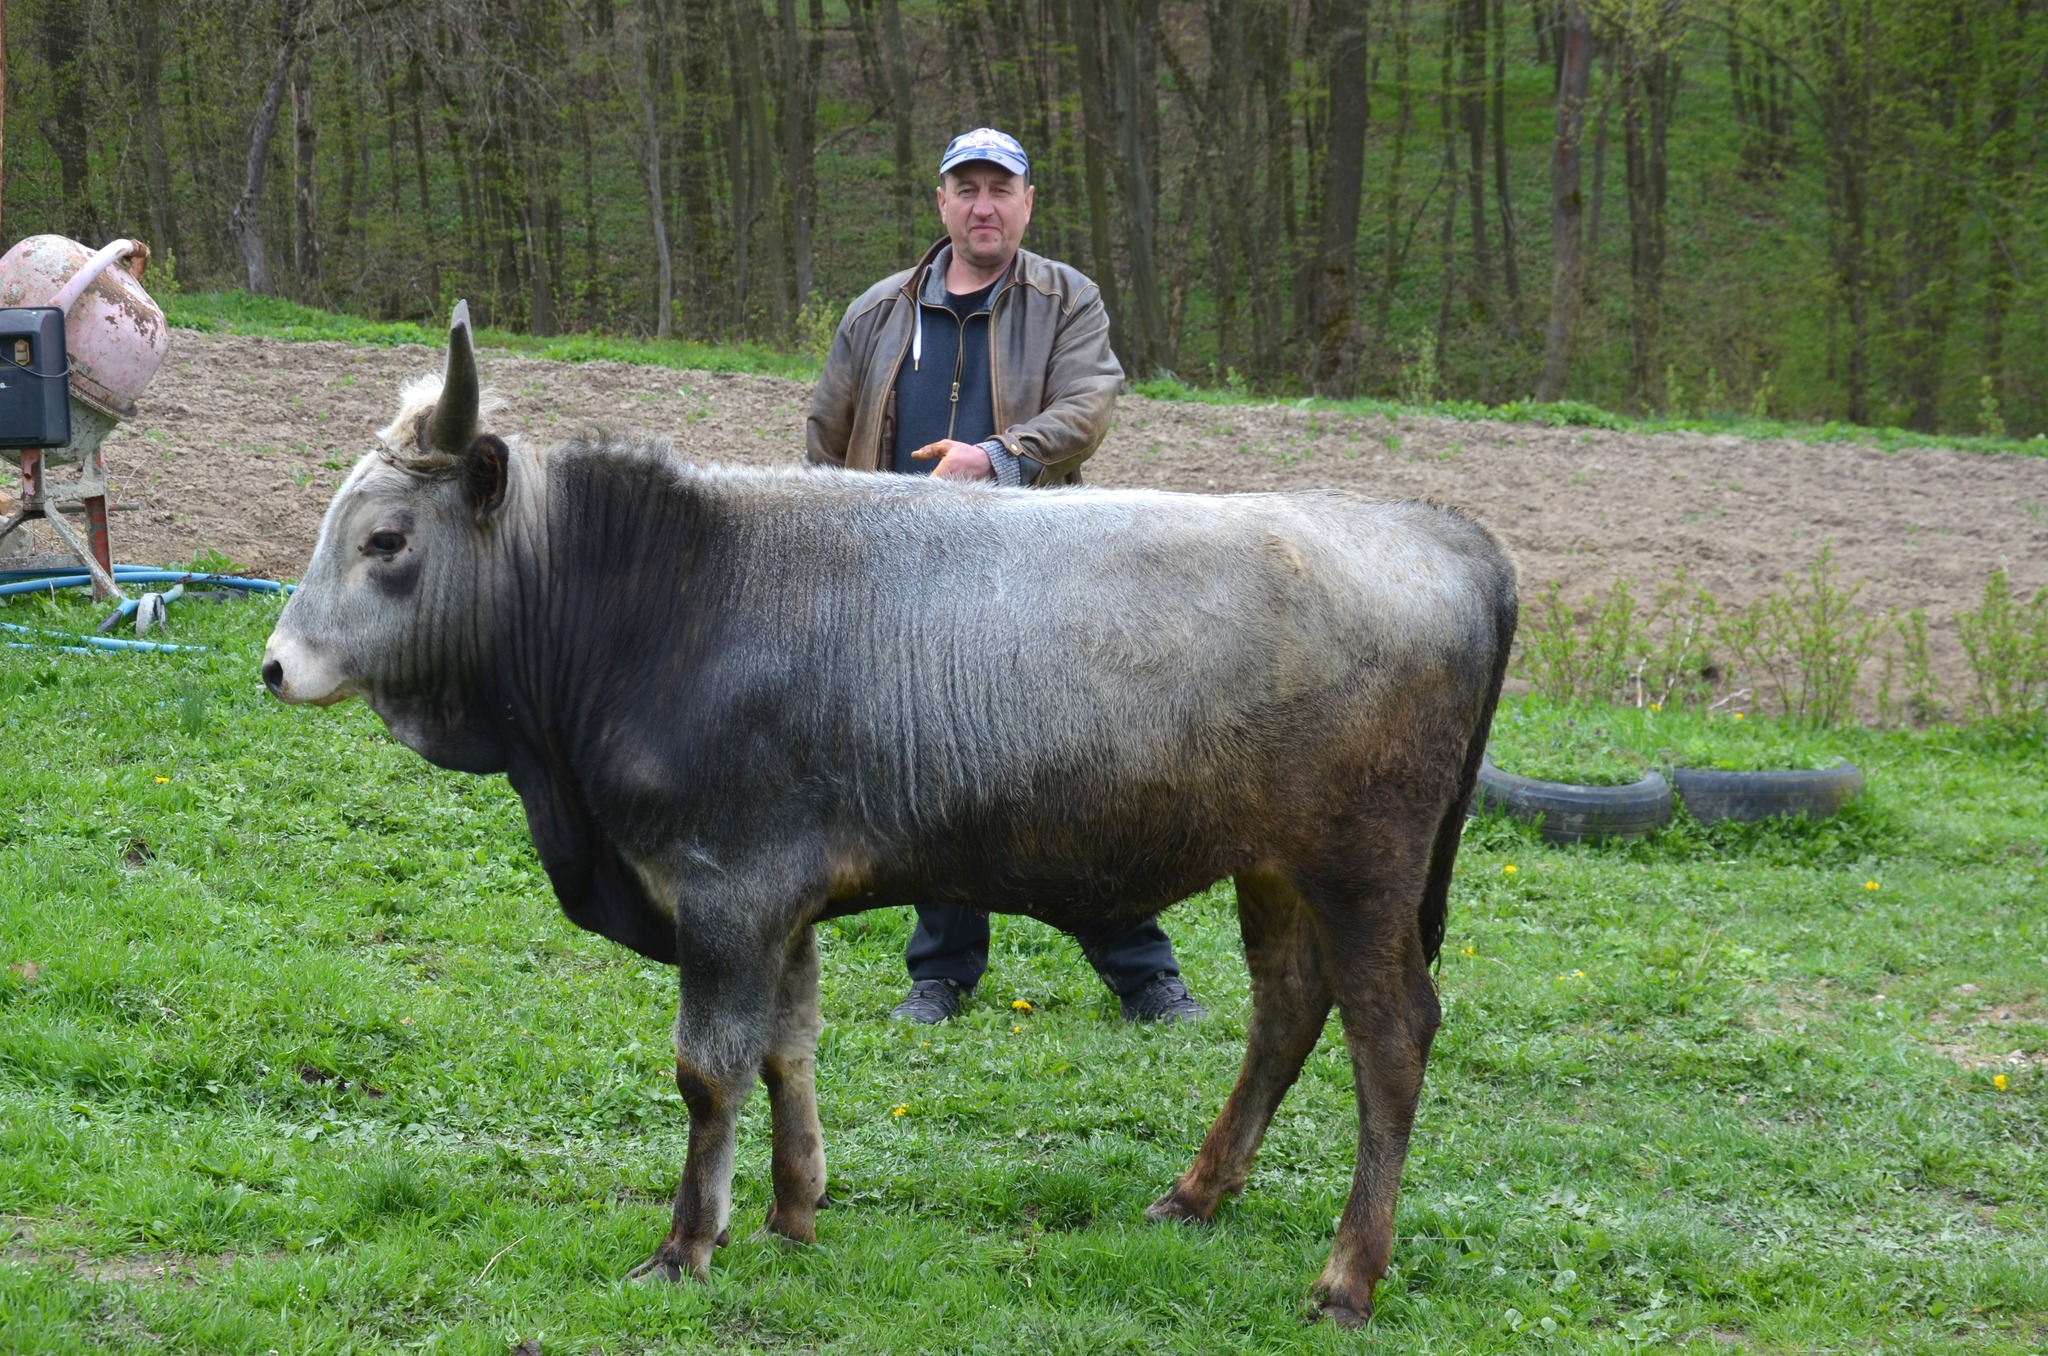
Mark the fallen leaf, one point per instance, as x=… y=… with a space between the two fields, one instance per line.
x=26 y=971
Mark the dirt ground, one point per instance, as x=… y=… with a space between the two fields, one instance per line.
x=241 y=441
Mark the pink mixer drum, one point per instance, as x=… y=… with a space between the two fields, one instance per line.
x=115 y=332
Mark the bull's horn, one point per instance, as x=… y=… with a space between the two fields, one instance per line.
x=455 y=414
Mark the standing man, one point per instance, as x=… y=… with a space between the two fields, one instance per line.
x=984 y=362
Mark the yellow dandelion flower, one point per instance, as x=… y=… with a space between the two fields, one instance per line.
x=1015 y=1029
x=1870 y=885
x=1656 y=706
x=1738 y=715
x=1508 y=870
x=162 y=781
x=924 y=1045
x=1998 y=1081
x=900 y=1109
x=1467 y=951
x=1020 y=1005
x=1578 y=974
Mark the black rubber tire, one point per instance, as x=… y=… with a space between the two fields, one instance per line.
x=1714 y=797
x=1568 y=813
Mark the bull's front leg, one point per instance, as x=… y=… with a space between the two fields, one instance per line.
x=723 y=1025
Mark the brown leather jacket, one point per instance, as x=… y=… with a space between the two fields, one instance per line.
x=1052 y=374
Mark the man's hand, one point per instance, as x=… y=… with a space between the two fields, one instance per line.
x=958 y=461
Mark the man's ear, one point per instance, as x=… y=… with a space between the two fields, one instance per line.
x=485 y=468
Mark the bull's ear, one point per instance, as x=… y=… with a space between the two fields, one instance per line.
x=453 y=426
x=485 y=467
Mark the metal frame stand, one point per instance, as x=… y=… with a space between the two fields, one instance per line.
x=88 y=493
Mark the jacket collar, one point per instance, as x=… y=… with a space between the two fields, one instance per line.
x=927 y=282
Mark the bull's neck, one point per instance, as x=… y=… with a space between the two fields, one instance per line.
x=597 y=597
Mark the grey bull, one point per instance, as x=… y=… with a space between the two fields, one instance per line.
x=738 y=702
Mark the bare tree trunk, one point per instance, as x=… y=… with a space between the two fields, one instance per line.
x=1448 y=240
x=906 y=173
x=1394 y=247
x=1599 y=214
x=796 y=146
x=650 y=133
x=1097 y=130
x=1336 y=365
x=1511 y=269
x=1471 y=19
x=1567 y=206
x=245 y=218
x=149 y=62
x=1649 y=80
x=1135 y=181
x=416 y=91
x=1999 y=155
x=61 y=41
x=305 y=141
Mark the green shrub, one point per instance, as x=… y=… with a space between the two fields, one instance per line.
x=2006 y=643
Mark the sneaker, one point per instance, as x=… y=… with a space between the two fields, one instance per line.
x=930 y=1002
x=1163 y=999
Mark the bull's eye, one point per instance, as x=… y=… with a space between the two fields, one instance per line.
x=385 y=543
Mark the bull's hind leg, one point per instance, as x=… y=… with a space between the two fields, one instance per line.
x=790 y=1071
x=1389 y=1008
x=1290 y=999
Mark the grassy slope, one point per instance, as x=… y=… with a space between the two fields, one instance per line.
x=1687 y=1091
x=242 y=313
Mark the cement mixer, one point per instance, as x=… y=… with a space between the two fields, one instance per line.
x=79 y=341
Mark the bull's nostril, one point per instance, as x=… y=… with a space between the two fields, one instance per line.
x=273 y=676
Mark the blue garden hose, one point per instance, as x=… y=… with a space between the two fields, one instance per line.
x=102 y=642
x=35 y=581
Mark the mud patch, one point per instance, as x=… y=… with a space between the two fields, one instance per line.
x=241 y=441
x=19 y=1247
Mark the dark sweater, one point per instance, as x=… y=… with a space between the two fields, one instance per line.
x=944 y=392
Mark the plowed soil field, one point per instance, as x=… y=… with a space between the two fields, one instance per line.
x=241 y=441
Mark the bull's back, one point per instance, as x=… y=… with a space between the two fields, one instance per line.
x=1158 y=653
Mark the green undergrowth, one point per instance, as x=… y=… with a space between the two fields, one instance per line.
x=244 y=313
x=297 y=1053
x=1601 y=745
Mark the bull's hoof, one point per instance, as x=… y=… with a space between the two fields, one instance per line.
x=790 y=1227
x=1177 y=1206
x=674 y=1262
x=1346 y=1311
x=656 y=1269
x=1343 y=1315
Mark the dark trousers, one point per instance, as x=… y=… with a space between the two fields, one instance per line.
x=952 y=943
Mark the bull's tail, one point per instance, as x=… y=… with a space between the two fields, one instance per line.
x=1443 y=855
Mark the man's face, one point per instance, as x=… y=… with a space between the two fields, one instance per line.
x=985 y=208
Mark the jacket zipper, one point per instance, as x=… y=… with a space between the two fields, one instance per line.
x=959 y=365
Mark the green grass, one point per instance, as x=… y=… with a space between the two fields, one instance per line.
x=306 y=1027
x=246 y=313
x=1613 y=745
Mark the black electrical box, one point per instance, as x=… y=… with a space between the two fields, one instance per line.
x=35 y=378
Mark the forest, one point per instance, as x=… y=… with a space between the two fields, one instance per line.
x=1797 y=209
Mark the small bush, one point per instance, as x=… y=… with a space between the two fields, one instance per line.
x=1610 y=650
x=2006 y=643
x=1807 y=645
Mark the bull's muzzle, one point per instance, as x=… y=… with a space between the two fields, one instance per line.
x=295 y=675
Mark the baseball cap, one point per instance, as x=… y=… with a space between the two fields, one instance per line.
x=986 y=143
